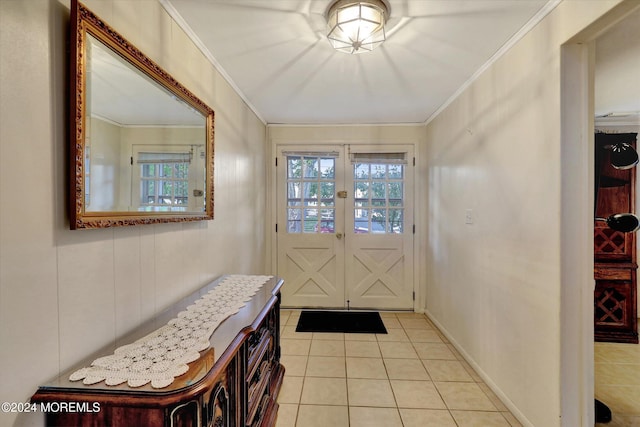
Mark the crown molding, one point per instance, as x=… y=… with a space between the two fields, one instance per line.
x=175 y=15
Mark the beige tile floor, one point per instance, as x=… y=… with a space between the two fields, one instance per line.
x=410 y=377
x=617 y=382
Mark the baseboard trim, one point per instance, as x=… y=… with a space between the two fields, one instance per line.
x=487 y=380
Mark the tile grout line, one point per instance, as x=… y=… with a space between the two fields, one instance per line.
x=434 y=383
x=318 y=341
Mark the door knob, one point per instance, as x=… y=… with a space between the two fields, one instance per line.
x=339 y=236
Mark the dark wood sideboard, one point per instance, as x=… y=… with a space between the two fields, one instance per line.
x=234 y=383
x=615 y=299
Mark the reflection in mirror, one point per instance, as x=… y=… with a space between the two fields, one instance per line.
x=144 y=147
x=143 y=144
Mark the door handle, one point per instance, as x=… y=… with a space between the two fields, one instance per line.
x=339 y=236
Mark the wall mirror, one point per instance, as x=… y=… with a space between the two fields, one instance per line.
x=141 y=143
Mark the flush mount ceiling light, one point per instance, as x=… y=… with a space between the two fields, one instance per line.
x=356 y=26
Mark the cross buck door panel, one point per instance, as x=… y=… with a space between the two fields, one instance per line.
x=345 y=227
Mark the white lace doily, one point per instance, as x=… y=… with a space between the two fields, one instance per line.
x=164 y=354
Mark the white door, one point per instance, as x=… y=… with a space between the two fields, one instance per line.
x=379 y=245
x=345 y=227
x=310 y=220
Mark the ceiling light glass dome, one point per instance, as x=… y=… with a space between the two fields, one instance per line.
x=356 y=26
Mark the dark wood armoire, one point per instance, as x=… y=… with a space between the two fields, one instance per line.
x=615 y=297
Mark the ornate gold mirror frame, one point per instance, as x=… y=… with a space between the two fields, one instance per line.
x=129 y=166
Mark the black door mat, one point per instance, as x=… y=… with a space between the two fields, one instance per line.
x=359 y=322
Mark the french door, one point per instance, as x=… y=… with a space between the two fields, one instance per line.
x=345 y=226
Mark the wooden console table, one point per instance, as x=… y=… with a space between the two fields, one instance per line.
x=235 y=382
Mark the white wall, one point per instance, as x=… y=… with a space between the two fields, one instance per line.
x=495 y=285
x=65 y=294
x=617 y=78
x=105 y=166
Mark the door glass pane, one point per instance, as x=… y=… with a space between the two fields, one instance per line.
x=181 y=170
x=310 y=221
x=328 y=214
x=378 y=190
x=310 y=193
x=148 y=170
x=361 y=190
x=361 y=221
x=378 y=217
x=378 y=171
x=396 y=222
x=395 y=171
x=311 y=183
x=327 y=168
x=361 y=171
x=165 y=170
x=327 y=190
x=310 y=167
x=327 y=221
x=294 y=221
x=378 y=197
x=293 y=192
x=294 y=167
x=395 y=191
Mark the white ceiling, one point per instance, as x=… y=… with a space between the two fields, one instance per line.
x=276 y=54
x=123 y=96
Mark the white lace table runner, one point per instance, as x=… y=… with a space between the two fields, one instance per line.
x=164 y=354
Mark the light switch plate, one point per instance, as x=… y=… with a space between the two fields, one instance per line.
x=468 y=216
